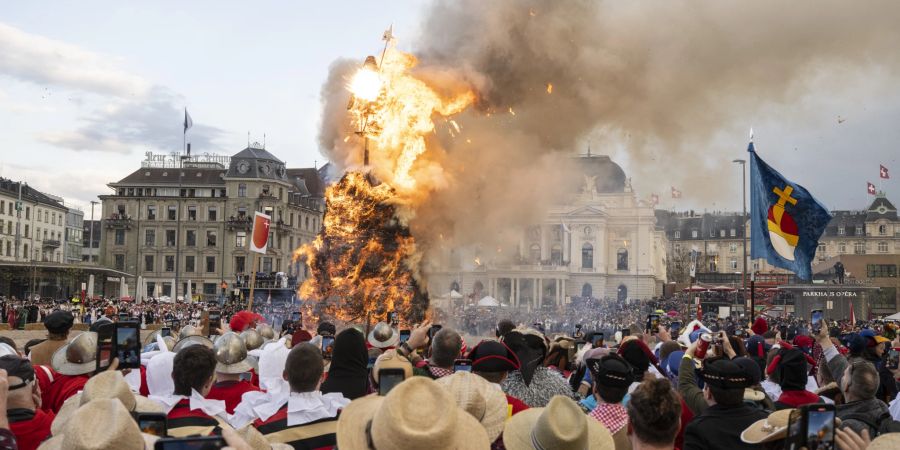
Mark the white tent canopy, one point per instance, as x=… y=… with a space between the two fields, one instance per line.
x=895 y=316
x=488 y=301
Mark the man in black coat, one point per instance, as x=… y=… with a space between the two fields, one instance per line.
x=720 y=425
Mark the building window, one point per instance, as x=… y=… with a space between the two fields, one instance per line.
x=210 y=264
x=534 y=255
x=148 y=263
x=120 y=237
x=713 y=265
x=882 y=230
x=189 y=263
x=190 y=238
x=859 y=230
x=239 y=264
x=587 y=256
x=733 y=263
x=170 y=238
x=119 y=260
x=242 y=212
x=622 y=259
x=151 y=212
x=555 y=255
x=881 y=270
x=242 y=190
x=732 y=247
x=192 y=213
x=842 y=248
x=240 y=240
x=266 y=264
x=172 y=212
x=882 y=247
x=27 y=213
x=859 y=248
x=733 y=232
x=841 y=231
x=150 y=238
x=170 y=263
x=677 y=234
x=722 y=233
x=211 y=214
x=694 y=234
x=210 y=238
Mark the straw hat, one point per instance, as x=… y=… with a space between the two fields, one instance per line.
x=109 y=384
x=100 y=424
x=888 y=441
x=391 y=360
x=562 y=425
x=231 y=354
x=193 y=340
x=257 y=441
x=382 y=335
x=770 y=429
x=78 y=357
x=480 y=398
x=417 y=414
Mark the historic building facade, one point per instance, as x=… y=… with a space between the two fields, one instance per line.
x=182 y=218
x=40 y=220
x=599 y=242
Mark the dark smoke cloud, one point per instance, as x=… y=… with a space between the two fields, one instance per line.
x=658 y=79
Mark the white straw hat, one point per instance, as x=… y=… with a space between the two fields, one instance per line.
x=109 y=384
x=562 y=425
x=99 y=425
x=480 y=398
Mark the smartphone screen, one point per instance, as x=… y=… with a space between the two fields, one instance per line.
x=674 y=328
x=165 y=331
x=394 y=318
x=327 y=346
x=152 y=423
x=191 y=443
x=597 y=340
x=433 y=330
x=388 y=378
x=820 y=427
x=893 y=359
x=105 y=345
x=404 y=335
x=462 y=365
x=128 y=345
x=795 y=438
x=816 y=319
x=625 y=332
x=652 y=323
x=215 y=321
x=295 y=316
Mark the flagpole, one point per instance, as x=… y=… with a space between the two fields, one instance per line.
x=253 y=281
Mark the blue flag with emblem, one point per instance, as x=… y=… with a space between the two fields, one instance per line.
x=786 y=221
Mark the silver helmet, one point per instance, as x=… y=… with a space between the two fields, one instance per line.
x=266 y=331
x=188 y=330
x=382 y=335
x=192 y=340
x=78 y=357
x=252 y=339
x=231 y=354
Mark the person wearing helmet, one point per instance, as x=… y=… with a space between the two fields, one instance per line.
x=231 y=363
x=73 y=364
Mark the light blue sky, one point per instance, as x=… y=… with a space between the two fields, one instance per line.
x=86 y=87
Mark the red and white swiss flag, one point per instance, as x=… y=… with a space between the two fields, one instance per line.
x=675 y=193
x=870 y=188
x=883 y=172
x=654 y=199
x=259 y=239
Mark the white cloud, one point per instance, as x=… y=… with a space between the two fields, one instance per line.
x=84 y=140
x=42 y=60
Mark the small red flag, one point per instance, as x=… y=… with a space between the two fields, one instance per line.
x=870 y=188
x=883 y=172
x=675 y=193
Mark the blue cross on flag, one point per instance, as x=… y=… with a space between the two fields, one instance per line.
x=786 y=221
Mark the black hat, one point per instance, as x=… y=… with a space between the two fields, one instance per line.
x=725 y=374
x=326 y=328
x=99 y=323
x=792 y=370
x=16 y=366
x=611 y=370
x=751 y=368
x=59 y=322
x=493 y=356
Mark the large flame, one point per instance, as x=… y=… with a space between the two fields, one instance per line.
x=364 y=264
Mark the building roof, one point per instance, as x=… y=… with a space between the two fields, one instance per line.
x=11 y=188
x=254 y=152
x=608 y=177
x=881 y=208
x=310 y=180
x=707 y=225
x=169 y=176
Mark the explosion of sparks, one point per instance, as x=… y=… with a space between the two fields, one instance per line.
x=364 y=263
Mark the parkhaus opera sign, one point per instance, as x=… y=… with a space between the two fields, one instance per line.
x=829 y=294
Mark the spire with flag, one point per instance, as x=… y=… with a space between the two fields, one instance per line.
x=786 y=221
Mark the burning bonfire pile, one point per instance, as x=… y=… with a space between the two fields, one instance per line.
x=364 y=264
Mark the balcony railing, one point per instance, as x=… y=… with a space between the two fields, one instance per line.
x=51 y=243
x=239 y=223
x=119 y=222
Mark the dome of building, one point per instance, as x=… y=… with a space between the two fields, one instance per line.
x=601 y=172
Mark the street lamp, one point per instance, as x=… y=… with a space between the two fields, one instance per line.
x=743 y=164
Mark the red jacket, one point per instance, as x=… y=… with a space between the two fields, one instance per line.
x=30 y=428
x=45 y=378
x=230 y=392
x=515 y=406
x=64 y=387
